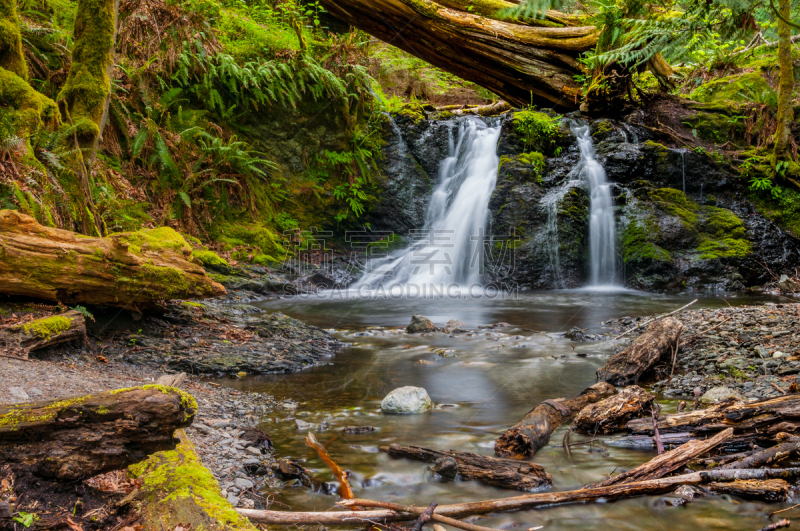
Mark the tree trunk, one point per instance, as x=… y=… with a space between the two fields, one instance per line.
x=22 y=339
x=762 y=420
x=637 y=361
x=88 y=85
x=503 y=473
x=178 y=492
x=132 y=270
x=786 y=86
x=76 y=438
x=523 y=440
x=520 y=63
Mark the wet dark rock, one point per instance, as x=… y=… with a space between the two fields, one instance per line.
x=356 y=430
x=451 y=326
x=446 y=468
x=420 y=323
x=575 y=334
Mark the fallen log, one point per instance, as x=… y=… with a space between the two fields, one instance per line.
x=527 y=501
x=22 y=339
x=503 y=473
x=637 y=361
x=79 y=437
x=673 y=440
x=531 y=434
x=768 y=490
x=416 y=510
x=765 y=457
x=668 y=462
x=178 y=492
x=613 y=413
x=134 y=269
x=761 y=421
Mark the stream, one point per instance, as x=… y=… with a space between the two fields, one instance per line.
x=484 y=383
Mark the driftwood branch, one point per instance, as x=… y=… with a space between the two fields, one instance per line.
x=531 y=434
x=637 y=361
x=641 y=325
x=503 y=473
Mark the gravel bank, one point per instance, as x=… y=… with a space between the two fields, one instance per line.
x=753 y=350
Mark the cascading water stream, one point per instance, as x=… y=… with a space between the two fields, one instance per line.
x=449 y=250
x=602 y=233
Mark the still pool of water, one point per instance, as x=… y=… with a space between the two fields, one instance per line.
x=483 y=383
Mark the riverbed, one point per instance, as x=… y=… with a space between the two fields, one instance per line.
x=482 y=382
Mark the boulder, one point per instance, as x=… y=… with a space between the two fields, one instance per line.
x=720 y=393
x=406 y=400
x=451 y=326
x=420 y=323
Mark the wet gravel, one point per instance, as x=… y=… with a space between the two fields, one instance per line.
x=749 y=349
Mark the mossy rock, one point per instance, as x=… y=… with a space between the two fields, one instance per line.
x=732 y=88
x=717 y=127
x=540 y=132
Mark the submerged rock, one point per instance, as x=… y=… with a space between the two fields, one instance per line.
x=451 y=326
x=420 y=323
x=406 y=400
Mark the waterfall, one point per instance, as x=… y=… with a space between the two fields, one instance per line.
x=682 y=151
x=602 y=235
x=448 y=251
x=551 y=201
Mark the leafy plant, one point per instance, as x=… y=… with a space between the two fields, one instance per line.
x=26 y=519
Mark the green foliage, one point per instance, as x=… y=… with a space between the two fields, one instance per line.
x=538 y=130
x=26 y=519
x=536 y=160
x=83 y=311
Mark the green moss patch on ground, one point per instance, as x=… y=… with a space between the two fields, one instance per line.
x=732 y=88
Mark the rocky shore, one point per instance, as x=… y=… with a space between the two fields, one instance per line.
x=748 y=351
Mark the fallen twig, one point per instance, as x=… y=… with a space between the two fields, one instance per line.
x=782 y=391
x=424 y=518
x=415 y=510
x=776 y=525
x=707 y=330
x=341 y=476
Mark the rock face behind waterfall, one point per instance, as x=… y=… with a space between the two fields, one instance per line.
x=682 y=218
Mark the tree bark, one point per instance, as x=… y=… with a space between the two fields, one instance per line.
x=527 y=437
x=782 y=150
x=768 y=490
x=668 y=462
x=520 y=63
x=503 y=473
x=762 y=420
x=20 y=340
x=133 y=270
x=612 y=414
x=637 y=361
x=79 y=437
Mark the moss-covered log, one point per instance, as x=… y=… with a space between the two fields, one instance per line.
x=133 y=270
x=517 y=61
x=88 y=84
x=78 y=437
x=178 y=489
x=11 y=57
x=20 y=340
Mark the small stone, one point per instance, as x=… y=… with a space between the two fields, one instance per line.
x=779 y=354
x=408 y=399
x=33 y=391
x=19 y=393
x=247 y=503
x=5 y=509
x=420 y=323
x=303 y=425
x=446 y=467
x=233 y=499
x=253 y=450
x=719 y=393
x=451 y=325
x=243 y=484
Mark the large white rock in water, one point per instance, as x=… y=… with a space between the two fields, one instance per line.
x=406 y=400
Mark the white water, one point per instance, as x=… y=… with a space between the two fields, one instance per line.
x=602 y=234
x=448 y=252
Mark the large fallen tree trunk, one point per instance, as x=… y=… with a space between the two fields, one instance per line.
x=178 y=492
x=637 y=361
x=22 y=339
x=78 y=437
x=527 y=437
x=611 y=414
x=129 y=269
x=528 y=501
x=761 y=421
x=503 y=473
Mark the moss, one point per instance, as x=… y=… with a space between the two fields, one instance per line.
x=602 y=129
x=193 y=304
x=717 y=127
x=711 y=248
x=153 y=240
x=413 y=111
x=11 y=57
x=47 y=327
x=88 y=83
x=676 y=203
x=32 y=108
x=16 y=416
x=209 y=258
x=178 y=489
x=538 y=130
x=732 y=88
x=255 y=238
x=164 y=282
x=638 y=245
x=723 y=223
